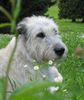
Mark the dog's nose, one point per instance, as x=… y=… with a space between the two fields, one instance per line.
x=59 y=51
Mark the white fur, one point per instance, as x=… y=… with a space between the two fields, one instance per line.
x=29 y=48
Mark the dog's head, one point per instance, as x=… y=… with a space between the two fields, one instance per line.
x=42 y=39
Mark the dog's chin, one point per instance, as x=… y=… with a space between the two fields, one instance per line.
x=54 y=58
x=50 y=57
x=59 y=57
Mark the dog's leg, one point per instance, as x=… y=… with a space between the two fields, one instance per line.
x=55 y=75
x=52 y=74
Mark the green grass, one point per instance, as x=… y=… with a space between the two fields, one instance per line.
x=4 y=39
x=72 y=68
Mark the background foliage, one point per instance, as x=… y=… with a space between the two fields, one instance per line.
x=29 y=7
x=71 y=9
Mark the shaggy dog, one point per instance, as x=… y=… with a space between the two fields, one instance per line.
x=39 y=40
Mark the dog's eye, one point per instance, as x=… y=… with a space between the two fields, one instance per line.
x=41 y=35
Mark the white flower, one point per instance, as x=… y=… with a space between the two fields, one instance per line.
x=36 y=68
x=44 y=76
x=53 y=89
x=50 y=62
x=64 y=90
x=25 y=66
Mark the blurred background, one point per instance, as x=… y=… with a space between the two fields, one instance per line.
x=68 y=9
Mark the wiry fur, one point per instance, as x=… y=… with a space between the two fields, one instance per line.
x=29 y=48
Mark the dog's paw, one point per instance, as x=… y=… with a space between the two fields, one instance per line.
x=58 y=79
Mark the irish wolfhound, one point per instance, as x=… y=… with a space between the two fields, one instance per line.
x=39 y=40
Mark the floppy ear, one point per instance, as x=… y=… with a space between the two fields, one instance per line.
x=22 y=28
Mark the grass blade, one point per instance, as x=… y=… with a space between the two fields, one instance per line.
x=6 y=13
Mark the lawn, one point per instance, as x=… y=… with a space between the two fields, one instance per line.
x=72 y=68
x=4 y=39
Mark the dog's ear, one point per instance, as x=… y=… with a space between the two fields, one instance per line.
x=21 y=28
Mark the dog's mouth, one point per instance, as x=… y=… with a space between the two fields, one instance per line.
x=54 y=60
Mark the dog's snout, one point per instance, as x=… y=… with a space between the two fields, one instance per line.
x=59 y=50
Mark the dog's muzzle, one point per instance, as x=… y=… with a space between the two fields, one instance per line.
x=59 y=50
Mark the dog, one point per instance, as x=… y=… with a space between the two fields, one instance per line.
x=39 y=41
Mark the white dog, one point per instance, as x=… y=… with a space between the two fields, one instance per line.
x=40 y=41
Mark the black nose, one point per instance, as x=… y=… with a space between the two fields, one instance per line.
x=59 y=51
